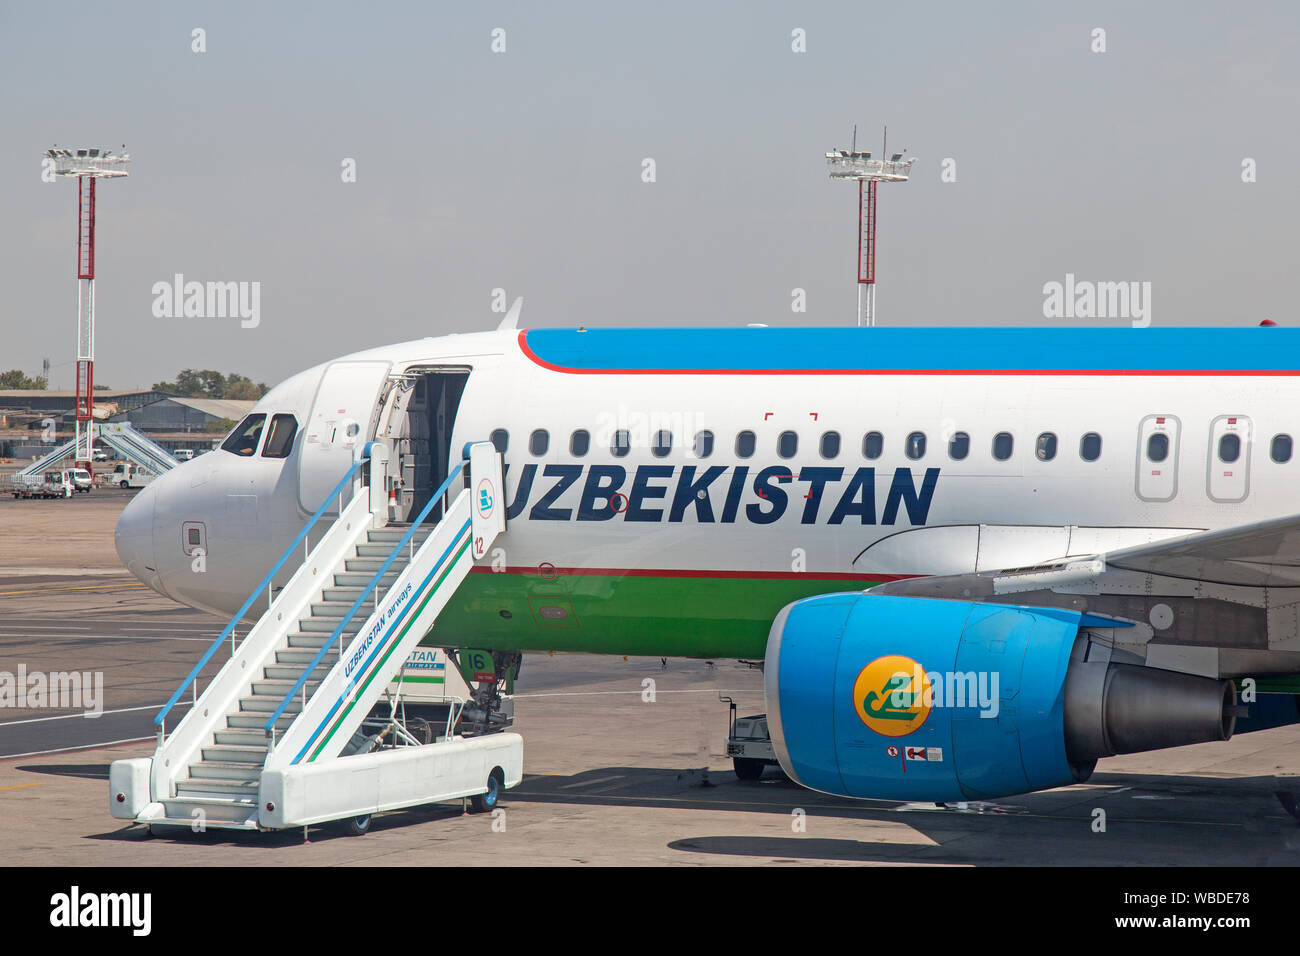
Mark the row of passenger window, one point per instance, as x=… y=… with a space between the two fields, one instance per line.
x=1229 y=450
x=787 y=444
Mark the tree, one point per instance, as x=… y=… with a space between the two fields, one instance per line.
x=208 y=383
x=220 y=426
x=243 y=390
x=14 y=378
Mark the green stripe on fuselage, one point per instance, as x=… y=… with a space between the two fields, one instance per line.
x=644 y=615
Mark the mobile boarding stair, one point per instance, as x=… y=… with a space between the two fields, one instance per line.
x=136 y=447
x=279 y=737
x=121 y=437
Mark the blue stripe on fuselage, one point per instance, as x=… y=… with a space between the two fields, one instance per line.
x=1250 y=349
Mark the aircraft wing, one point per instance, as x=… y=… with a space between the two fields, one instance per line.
x=1264 y=554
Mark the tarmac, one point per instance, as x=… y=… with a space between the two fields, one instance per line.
x=611 y=777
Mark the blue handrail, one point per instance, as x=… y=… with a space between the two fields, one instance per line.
x=374 y=582
x=266 y=582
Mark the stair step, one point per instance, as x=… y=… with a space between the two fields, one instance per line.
x=252 y=720
x=383 y=549
x=303 y=656
x=226 y=770
x=344 y=595
x=235 y=754
x=292 y=671
x=393 y=534
x=323 y=625
x=237 y=812
x=332 y=608
x=210 y=786
x=249 y=738
x=360 y=579
x=277 y=688
x=311 y=641
x=372 y=565
x=265 y=704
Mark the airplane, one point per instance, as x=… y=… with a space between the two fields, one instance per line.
x=970 y=561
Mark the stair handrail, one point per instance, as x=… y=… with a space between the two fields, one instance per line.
x=300 y=683
x=257 y=591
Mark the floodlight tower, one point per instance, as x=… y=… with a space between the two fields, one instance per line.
x=86 y=165
x=851 y=164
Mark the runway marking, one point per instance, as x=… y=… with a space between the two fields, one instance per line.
x=89 y=587
x=590 y=783
x=117 y=637
x=20 y=786
x=37 y=720
x=79 y=747
x=54 y=627
x=633 y=800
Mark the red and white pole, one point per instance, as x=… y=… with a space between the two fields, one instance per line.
x=85 y=320
x=866 y=252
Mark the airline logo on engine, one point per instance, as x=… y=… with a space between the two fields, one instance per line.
x=892 y=695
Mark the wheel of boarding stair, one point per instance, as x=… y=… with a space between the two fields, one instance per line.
x=747 y=768
x=482 y=802
x=124 y=483
x=357 y=826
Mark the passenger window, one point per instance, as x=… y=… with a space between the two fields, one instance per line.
x=1090 y=447
x=1158 y=447
x=873 y=444
x=745 y=444
x=243 y=440
x=1229 y=448
x=1045 y=447
x=579 y=443
x=830 y=445
x=1003 y=445
x=915 y=446
x=279 y=442
x=539 y=441
x=787 y=444
x=500 y=439
x=663 y=444
x=703 y=446
x=622 y=443
x=1281 y=450
x=959 y=446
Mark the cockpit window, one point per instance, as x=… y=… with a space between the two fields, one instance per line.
x=243 y=440
x=280 y=441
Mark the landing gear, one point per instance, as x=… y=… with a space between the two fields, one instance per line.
x=486 y=712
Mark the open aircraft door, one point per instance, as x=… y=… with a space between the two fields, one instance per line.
x=342 y=417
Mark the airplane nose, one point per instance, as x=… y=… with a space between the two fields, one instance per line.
x=134 y=538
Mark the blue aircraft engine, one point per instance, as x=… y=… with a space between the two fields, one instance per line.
x=922 y=699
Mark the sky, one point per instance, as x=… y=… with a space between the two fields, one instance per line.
x=523 y=169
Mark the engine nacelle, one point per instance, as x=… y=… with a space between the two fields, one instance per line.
x=923 y=699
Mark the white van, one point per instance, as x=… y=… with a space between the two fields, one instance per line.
x=183 y=454
x=128 y=475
